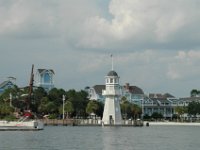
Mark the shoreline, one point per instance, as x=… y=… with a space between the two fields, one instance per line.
x=172 y=123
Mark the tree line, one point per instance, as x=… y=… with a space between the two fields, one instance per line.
x=76 y=104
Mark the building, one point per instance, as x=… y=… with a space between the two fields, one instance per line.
x=133 y=94
x=44 y=79
x=7 y=84
x=158 y=103
x=95 y=92
x=112 y=93
x=164 y=104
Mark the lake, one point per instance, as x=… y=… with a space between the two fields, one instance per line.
x=103 y=138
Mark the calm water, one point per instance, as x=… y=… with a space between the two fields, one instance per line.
x=106 y=138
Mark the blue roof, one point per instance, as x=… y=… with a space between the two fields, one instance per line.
x=6 y=84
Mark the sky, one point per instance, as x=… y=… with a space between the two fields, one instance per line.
x=155 y=44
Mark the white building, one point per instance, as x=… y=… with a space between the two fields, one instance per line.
x=112 y=93
x=44 y=78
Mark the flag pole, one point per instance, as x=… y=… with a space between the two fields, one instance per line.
x=112 y=61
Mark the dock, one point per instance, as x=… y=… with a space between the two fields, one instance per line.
x=18 y=129
x=88 y=122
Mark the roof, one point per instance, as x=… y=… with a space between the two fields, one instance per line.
x=162 y=100
x=112 y=73
x=41 y=70
x=190 y=99
x=159 y=95
x=134 y=89
x=99 y=88
x=155 y=95
x=6 y=83
x=168 y=95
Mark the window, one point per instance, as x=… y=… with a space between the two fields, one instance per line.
x=47 y=78
x=111 y=80
x=107 y=81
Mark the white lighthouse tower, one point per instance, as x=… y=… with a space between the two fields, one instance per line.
x=112 y=111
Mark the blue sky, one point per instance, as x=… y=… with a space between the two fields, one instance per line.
x=155 y=44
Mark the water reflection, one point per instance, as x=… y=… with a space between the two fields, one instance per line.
x=104 y=138
x=114 y=138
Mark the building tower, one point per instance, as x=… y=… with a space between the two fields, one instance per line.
x=112 y=93
x=44 y=78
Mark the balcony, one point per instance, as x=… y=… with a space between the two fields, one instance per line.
x=110 y=92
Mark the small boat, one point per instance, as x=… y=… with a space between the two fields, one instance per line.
x=23 y=124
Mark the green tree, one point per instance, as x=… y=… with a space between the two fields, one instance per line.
x=50 y=106
x=99 y=112
x=156 y=115
x=180 y=110
x=125 y=108
x=194 y=108
x=194 y=93
x=92 y=107
x=56 y=95
x=68 y=108
x=42 y=108
x=79 y=100
x=38 y=94
x=136 y=110
x=5 y=110
x=14 y=91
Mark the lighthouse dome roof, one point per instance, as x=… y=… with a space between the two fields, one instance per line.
x=112 y=73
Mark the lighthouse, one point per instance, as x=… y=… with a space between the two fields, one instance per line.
x=112 y=93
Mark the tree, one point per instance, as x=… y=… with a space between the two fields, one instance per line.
x=99 y=112
x=42 y=108
x=92 y=107
x=157 y=115
x=194 y=93
x=56 y=95
x=79 y=100
x=194 y=108
x=38 y=94
x=50 y=106
x=5 y=110
x=68 y=107
x=136 y=110
x=125 y=108
x=180 y=110
x=146 y=117
x=129 y=110
x=14 y=91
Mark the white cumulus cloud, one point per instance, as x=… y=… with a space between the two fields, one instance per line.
x=143 y=22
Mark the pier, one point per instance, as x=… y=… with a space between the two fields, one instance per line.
x=88 y=122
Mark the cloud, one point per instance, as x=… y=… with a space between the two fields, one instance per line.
x=43 y=19
x=156 y=24
x=127 y=24
x=155 y=44
x=184 y=65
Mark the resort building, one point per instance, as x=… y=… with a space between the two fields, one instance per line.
x=95 y=92
x=158 y=103
x=164 y=104
x=132 y=93
x=7 y=84
x=44 y=78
